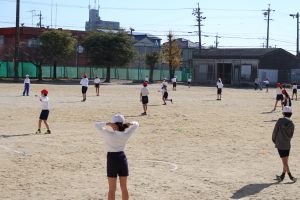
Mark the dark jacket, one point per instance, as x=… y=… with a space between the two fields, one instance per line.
x=283 y=133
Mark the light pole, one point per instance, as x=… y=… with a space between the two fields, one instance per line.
x=297 y=17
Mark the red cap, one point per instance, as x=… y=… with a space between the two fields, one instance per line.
x=283 y=91
x=278 y=84
x=145 y=84
x=44 y=91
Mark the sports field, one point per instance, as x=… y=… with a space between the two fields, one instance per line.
x=196 y=148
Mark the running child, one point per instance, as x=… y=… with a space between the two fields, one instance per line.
x=267 y=83
x=189 y=81
x=164 y=91
x=281 y=137
x=115 y=141
x=286 y=98
x=85 y=84
x=294 y=88
x=45 y=112
x=174 y=83
x=219 y=89
x=97 y=84
x=26 y=85
x=279 y=96
x=144 y=97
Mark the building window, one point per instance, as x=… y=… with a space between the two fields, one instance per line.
x=246 y=72
x=1 y=39
x=33 y=42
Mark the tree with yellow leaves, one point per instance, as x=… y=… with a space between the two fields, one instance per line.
x=171 y=54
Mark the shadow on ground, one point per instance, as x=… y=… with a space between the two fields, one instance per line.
x=251 y=189
x=8 y=136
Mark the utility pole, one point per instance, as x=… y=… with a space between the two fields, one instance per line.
x=217 y=43
x=297 y=16
x=266 y=13
x=199 y=18
x=40 y=20
x=17 y=41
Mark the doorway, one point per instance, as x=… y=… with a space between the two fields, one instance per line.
x=224 y=72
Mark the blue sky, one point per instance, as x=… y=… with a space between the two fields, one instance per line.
x=239 y=23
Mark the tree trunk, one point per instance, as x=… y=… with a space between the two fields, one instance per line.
x=40 y=72
x=107 y=80
x=54 y=70
x=151 y=74
x=171 y=72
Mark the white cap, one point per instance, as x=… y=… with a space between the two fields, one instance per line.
x=27 y=75
x=118 y=118
x=287 y=109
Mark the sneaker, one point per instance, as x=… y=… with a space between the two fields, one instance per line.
x=279 y=178
x=164 y=103
x=38 y=131
x=294 y=179
x=171 y=100
x=48 y=132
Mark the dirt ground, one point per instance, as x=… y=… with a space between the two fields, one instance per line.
x=195 y=148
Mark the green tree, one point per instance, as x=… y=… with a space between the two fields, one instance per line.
x=108 y=49
x=57 y=46
x=151 y=59
x=171 y=54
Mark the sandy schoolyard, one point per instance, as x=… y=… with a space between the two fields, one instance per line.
x=197 y=148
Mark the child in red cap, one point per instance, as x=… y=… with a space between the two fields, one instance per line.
x=279 y=95
x=45 y=112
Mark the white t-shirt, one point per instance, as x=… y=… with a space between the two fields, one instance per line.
x=189 y=80
x=84 y=82
x=219 y=85
x=278 y=91
x=174 y=80
x=294 y=87
x=97 y=80
x=146 y=79
x=45 y=102
x=116 y=141
x=163 y=87
x=267 y=82
x=27 y=80
x=145 y=91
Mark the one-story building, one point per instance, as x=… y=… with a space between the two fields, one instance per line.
x=240 y=66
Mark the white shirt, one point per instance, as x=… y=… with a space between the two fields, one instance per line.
x=219 y=85
x=116 y=141
x=45 y=102
x=174 y=80
x=163 y=87
x=294 y=87
x=145 y=91
x=84 y=82
x=97 y=80
x=267 y=82
x=146 y=79
x=27 y=80
x=278 y=91
x=189 y=80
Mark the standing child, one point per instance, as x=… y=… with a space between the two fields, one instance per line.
x=144 y=97
x=26 y=85
x=267 y=82
x=294 y=88
x=147 y=79
x=174 y=81
x=97 y=84
x=219 y=89
x=45 y=112
x=164 y=91
x=286 y=99
x=115 y=142
x=189 y=81
x=281 y=137
x=279 y=95
x=85 y=84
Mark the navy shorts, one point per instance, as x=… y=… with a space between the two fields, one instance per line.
x=279 y=97
x=117 y=164
x=174 y=84
x=165 y=95
x=283 y=153
x=97 y=85
x=145 y=99
x=219 y=91
x=294 y=91
x=84 y=89
x=44 y=114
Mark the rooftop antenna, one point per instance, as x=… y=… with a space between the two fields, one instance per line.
x=98 y=5
x=55 y=13
x=32 y=15
x=51 y=11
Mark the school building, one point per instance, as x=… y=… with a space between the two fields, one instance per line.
x=240 y=66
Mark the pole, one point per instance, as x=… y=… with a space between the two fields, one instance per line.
x=17 y=41
x=199 y=18
x=267 y=14
x=297 y=53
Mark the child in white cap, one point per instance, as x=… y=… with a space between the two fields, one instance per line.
x=26 y=85
x=219 y=89
x=115 y=141
x=281 y=137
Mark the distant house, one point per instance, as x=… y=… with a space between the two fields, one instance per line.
x=243 y=65
x=95 y=22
